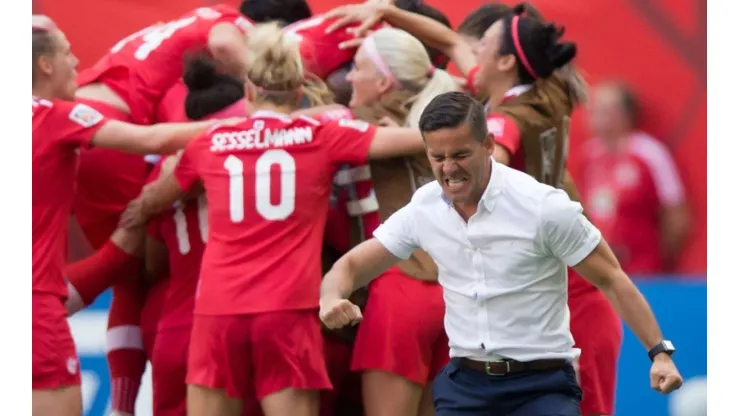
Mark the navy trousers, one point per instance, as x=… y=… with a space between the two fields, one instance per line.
x=459 y=391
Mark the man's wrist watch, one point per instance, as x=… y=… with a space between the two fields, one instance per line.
x=664 y=346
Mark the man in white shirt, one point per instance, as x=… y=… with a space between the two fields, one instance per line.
x=501 y=241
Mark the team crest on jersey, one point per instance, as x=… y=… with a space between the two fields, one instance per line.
x=85 y=115
x=358 y=125
x=495 y=127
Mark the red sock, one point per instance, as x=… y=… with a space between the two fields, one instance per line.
x=125 y=352
x=91 y=276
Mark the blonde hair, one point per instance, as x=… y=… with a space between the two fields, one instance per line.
x=412 y=70
x=274 y=65
x=316 y=92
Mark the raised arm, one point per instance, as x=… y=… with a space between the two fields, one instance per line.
x=429 y=31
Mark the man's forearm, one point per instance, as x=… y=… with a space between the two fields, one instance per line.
x=339 y=282
x=635 y=311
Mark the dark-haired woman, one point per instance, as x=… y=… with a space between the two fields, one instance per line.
x=176 y=238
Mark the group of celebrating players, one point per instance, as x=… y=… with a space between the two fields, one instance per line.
x=285 y=140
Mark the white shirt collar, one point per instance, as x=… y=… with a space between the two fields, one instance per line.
x=518 y=90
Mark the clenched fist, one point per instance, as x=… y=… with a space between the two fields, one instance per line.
x=339 y=313
x=664 y=376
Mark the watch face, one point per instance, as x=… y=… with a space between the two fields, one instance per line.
x=668 y=345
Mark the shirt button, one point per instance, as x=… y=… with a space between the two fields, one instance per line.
x=475 y=295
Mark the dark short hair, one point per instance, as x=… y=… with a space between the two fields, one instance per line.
x=451 y=110
x=209 y=91
x=43 y=44
x=282 y=11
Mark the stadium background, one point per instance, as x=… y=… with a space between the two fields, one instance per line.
x=657 y=46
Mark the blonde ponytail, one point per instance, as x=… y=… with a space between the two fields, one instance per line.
x=274 y=65
x=406 y=59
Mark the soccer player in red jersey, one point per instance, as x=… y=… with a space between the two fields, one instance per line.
x=176 y=241
x=60 y=126
x=127 y=84
x=267 y=182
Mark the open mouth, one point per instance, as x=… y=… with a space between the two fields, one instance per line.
x=455 y=184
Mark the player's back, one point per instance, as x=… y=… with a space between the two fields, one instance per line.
x=58 y=129
x=141 y=67
x=267 y=182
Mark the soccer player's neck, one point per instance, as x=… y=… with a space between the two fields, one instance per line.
x=497 y=90
x=267 y=106
x=43 y=91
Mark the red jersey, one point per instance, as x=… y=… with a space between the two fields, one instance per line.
x=268 y=182
x=171 y=109
x=59 y=128
x=320 y=50
x=184 y=231
x=623 y=193
x=143 y=66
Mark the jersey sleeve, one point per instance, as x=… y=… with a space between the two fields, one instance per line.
x=76 y=123
x=398 y=233
x=186 y=173
x=505 y=132
x=348 y=141
x=564 y=230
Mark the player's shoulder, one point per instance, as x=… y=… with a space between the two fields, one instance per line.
x=76 y=112
x=499 y=123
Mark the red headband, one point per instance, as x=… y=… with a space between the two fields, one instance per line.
x=518 y=46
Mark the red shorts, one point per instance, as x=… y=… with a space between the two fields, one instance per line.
x=338 y=355
x=597 y=331
x=402 y=331
x=253 y=356
x=169 y=368
x=55 y=362
x=106 y=181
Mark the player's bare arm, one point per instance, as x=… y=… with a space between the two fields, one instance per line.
x=602 y=269
x=395 y=141
x=427 y=30
x=159 y=138
x=355 y=269
x=227 y=44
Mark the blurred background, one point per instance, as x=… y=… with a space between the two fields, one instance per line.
x=638 y=154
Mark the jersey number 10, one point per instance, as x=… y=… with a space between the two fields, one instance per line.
x=267 y=210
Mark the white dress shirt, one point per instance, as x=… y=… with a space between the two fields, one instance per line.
x=504 y=271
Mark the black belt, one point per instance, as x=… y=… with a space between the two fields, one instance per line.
x=501 y=368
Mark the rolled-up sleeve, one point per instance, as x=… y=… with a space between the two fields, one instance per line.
x=398 y=233
x=565 y=231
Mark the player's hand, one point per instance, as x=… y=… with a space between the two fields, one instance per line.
x=664 y=376
x=368 y=14
x=135 y=214
x=339 y=313
x=353 y=43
